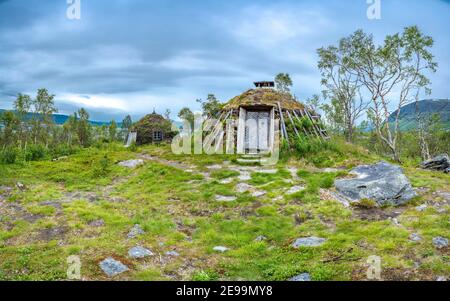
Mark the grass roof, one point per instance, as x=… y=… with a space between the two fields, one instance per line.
x=264 y=97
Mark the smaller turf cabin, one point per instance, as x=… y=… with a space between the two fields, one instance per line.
x=153 y=128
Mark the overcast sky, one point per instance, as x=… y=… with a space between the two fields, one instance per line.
x=130 y=56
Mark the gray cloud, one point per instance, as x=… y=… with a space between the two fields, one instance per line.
x=164 y=54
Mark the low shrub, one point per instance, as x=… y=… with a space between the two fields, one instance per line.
x=9 y=155
x=36 y=152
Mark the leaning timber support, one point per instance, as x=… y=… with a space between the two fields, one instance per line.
x=316 y=127
x=283 y=124
x=313 y=123
x=217 y=130
x=293 y=124
x=298 y=118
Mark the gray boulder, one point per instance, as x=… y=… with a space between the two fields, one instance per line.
x=131 y=163
x=135 y=231
x=440 y=242
x=308 y=242
x=112 y=267
x=382 y=182
x=139 y=252
x=439 y=163
x=301 y=277
x=173 y=253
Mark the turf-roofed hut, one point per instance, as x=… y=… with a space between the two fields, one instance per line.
x=264 y=112
x=153 y=128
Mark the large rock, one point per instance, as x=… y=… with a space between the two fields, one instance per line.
x=382 y=182
x=139 y=252
x=440 y=163
x=112 y=267
x=440 y=242
x=308 y=242
x=301 y=277
x=131 y=163
x=135 y=231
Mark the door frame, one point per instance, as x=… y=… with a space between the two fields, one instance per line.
x=240 y=149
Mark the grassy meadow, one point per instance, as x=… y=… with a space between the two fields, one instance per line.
x=85 y=204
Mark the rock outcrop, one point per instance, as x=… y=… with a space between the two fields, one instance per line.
x=382 y=182
x=439 y=163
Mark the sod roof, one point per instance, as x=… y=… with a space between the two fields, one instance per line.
x=264 y=97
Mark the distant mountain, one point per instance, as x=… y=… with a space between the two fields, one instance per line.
x=60 y=119
x=426 y=108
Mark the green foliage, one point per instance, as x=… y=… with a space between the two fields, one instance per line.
x=127 y=123
x=9 y=155
x=365 y=204
x=133 y=147
x=283 y=82
x=187 y=115
x=102 y=168
x=36 y=152
x=211 y=107
x=205 y=276
x=61 y=150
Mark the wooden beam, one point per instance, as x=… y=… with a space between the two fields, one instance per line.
x=230 y=136
x=283 y=123
x=315 y=128
x=241 y=131
x=293 y=124
x=298 y=118
x=217 y=130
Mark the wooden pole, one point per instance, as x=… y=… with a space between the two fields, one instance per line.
x=298 y=118
x=293 y=124
x=282 y=122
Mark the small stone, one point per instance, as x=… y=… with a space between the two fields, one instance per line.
x=20 y=186
x=268 y=171
x=308 y=242
x=226 y=181
x=221 y=249
x=259 y=193
x=172 y=253
x=244 y=176
x=301 y=277
x=295 y=189
x=135 y=231
x=243 y=187
x=440 y=242
x=421 y=208
x=415 y=237
x=112 y=267
x=330 y=170
x=396 y=222
x=214 y=167
x=139 y=252
x=441 y=278
x=261 y=238
x=131 y=163
x=97 y=223
x=293 y=171
x=223 y=198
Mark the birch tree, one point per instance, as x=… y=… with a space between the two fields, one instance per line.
x=392 y=74
x=342 y=88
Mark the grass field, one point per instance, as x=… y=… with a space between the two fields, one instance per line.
x=86 y=204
